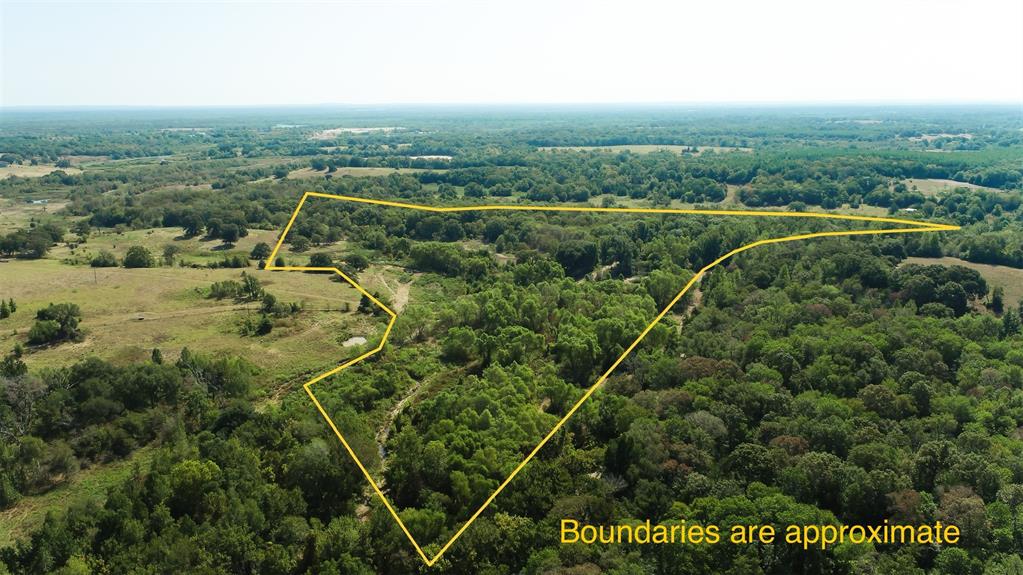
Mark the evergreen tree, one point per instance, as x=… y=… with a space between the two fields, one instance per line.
x=998 y=300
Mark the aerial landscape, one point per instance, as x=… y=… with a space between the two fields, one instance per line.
x=510 y=337
x=149 y=354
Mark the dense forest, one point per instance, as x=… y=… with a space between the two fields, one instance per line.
x=828 y=381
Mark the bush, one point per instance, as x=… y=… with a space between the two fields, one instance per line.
x=138 y=257
x=57 y=322
x=260 y=251
x=43 y=332
x=104 y=259
x=321 y=260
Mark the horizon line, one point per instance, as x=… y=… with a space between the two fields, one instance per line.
x=530 y=104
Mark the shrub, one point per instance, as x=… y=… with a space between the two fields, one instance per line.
x=138 y=257
x=104 y=259
x=57 y=322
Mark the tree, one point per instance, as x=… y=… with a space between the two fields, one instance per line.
x=104 y=259
x=12 y=365
x=577 y=257
x=954 y=296
x=960 y=506
x=251 y=287
x=260 y=251
x=751 y=462
x=82 y=228
x=57 y=322
x=265 y=325
x=229 y=233
x=191 y=484
x=192 y=224
x=578 y=352
x=1010 y=323
x=170 y=251
x=321 y=260
x=138 y=257
x=269 y=303
x=358 y=262
x=663 y=286
x=998 y=300
x=24 y=395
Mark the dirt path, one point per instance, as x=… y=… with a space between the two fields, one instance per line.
x=696 y=298
x=382 y=435
x=399 y=295
x=385 y=430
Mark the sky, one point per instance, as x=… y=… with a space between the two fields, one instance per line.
x=224 y=53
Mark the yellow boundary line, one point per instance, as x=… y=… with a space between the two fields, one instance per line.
x=914 y=227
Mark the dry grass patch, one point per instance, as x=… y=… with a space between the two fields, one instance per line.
x=1011 y=279
x=933 y=187
x=175 y=314
x=27 y=171
x=15 y=214
x=307 y=173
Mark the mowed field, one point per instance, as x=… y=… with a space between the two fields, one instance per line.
x=128 y=312
x=37 y=171
x=1011 y=279
x=196 y=250
x=15 y=215
x=933 y=187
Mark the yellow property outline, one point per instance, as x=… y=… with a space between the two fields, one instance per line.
x=914 y=227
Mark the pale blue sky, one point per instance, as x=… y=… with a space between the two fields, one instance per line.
x=164 y=53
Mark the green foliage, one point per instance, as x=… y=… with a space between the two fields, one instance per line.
x=825 y=382
x=104 y=259
x=138 y=257
x=56 y=323
x=260 y=251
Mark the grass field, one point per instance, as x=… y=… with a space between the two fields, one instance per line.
x=650 y=148
x=307 y=173
x=87 y=485
x=176 y=314
x=1011 y=279
x=192 y=250
x=27 y=171
x=933 y=187
x=16 y=214
x=332 y=133
x=731 y=201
